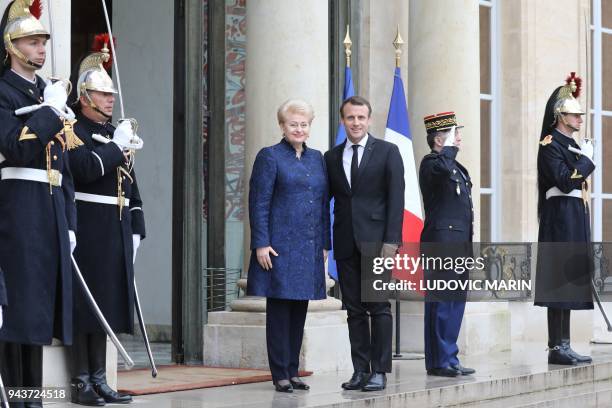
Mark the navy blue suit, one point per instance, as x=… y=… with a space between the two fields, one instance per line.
x=289 y=211
x=446 y=189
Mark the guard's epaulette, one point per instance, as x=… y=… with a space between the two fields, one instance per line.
x=546 y=141
x=72 y=140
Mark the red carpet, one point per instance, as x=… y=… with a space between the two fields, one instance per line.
x=181 y=378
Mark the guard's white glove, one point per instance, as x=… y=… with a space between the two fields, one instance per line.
x=55 y=96
x=72 y=239
x=586 y=148
x=1 y=317
x=450 y=139
x=136 y=243
x=125 y=138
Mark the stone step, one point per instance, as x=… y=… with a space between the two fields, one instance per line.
x=581 y=386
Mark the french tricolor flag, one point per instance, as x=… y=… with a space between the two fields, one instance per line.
x=398 y=132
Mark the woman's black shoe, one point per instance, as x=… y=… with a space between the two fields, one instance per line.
x=299 y=384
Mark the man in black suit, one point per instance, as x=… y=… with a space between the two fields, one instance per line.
x=366 y=179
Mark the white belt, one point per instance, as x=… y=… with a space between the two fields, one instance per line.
x=555 y=192
x=101 y=199
x=53 y=177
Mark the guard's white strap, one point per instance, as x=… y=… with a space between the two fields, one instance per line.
x=555 y=192
x=100 y=199
x=100 y=160
x=25 y=173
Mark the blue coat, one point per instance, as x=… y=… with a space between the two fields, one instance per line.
x=289 y=211
x=104 y=249
x=564 y=263
x=34 y=224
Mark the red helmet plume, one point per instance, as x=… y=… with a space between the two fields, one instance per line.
x=101 y=40
x=36 y=9
x=577 y=81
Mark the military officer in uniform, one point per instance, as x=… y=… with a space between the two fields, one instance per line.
x=563 y=278
x=110 y=227
x=446 y=188
x=37 y=210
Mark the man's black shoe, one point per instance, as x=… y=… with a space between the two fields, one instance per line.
x=560 y=355
x=444 y=372
x=376 y=382
x=110 y=395
x=83 y=393
x=463 y=370
x=357 y=381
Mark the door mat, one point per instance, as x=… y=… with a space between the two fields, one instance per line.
x=180 y=378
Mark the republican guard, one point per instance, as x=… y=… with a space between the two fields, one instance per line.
x=37 y=210
x=110 y=227
x=564 y=264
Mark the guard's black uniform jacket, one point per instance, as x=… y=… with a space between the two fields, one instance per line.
x=34 y=224
x=563 y=269
x=104 y=249
x=447 y=198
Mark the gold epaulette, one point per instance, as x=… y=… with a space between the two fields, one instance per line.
x=546 y=141
x=72 y=140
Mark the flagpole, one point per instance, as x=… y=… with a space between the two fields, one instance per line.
x=397 y=44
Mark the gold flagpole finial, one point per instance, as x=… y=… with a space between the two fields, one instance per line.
x=347 y=46
x=397 y=43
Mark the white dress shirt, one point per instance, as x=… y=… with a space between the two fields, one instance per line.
x=347 y=155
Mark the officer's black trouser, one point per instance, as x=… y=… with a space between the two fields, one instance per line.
x=88 y=354
x=21 y=366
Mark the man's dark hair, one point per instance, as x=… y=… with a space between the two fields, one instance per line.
x=356 y=100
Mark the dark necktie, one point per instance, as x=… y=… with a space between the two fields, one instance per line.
x=354 y=165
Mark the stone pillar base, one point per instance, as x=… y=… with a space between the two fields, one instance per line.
x=238 y=340
x=482 y=331
x=56 y=365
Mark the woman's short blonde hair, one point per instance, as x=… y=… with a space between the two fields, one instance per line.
x=294 y=106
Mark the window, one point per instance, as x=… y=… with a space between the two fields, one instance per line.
x=489 y=134
x=600 y=113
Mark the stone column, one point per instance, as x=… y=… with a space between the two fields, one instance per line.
x=287 y=57
x=444 y=76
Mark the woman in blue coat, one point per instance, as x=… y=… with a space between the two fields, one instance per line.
x=290 y=237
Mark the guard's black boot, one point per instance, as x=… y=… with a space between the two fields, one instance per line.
x=557 y=353
x=97 y=371
x=83 y=393
x=110 y=395
x=565 y=340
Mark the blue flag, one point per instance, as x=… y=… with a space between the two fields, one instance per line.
x=340 y=138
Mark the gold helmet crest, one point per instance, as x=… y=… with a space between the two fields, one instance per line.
x=93 y=75
x=566 y=98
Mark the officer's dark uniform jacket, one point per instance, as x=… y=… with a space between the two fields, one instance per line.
x=447 y=198
x=563 y=270
x=105 y=249
x=34 y=224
